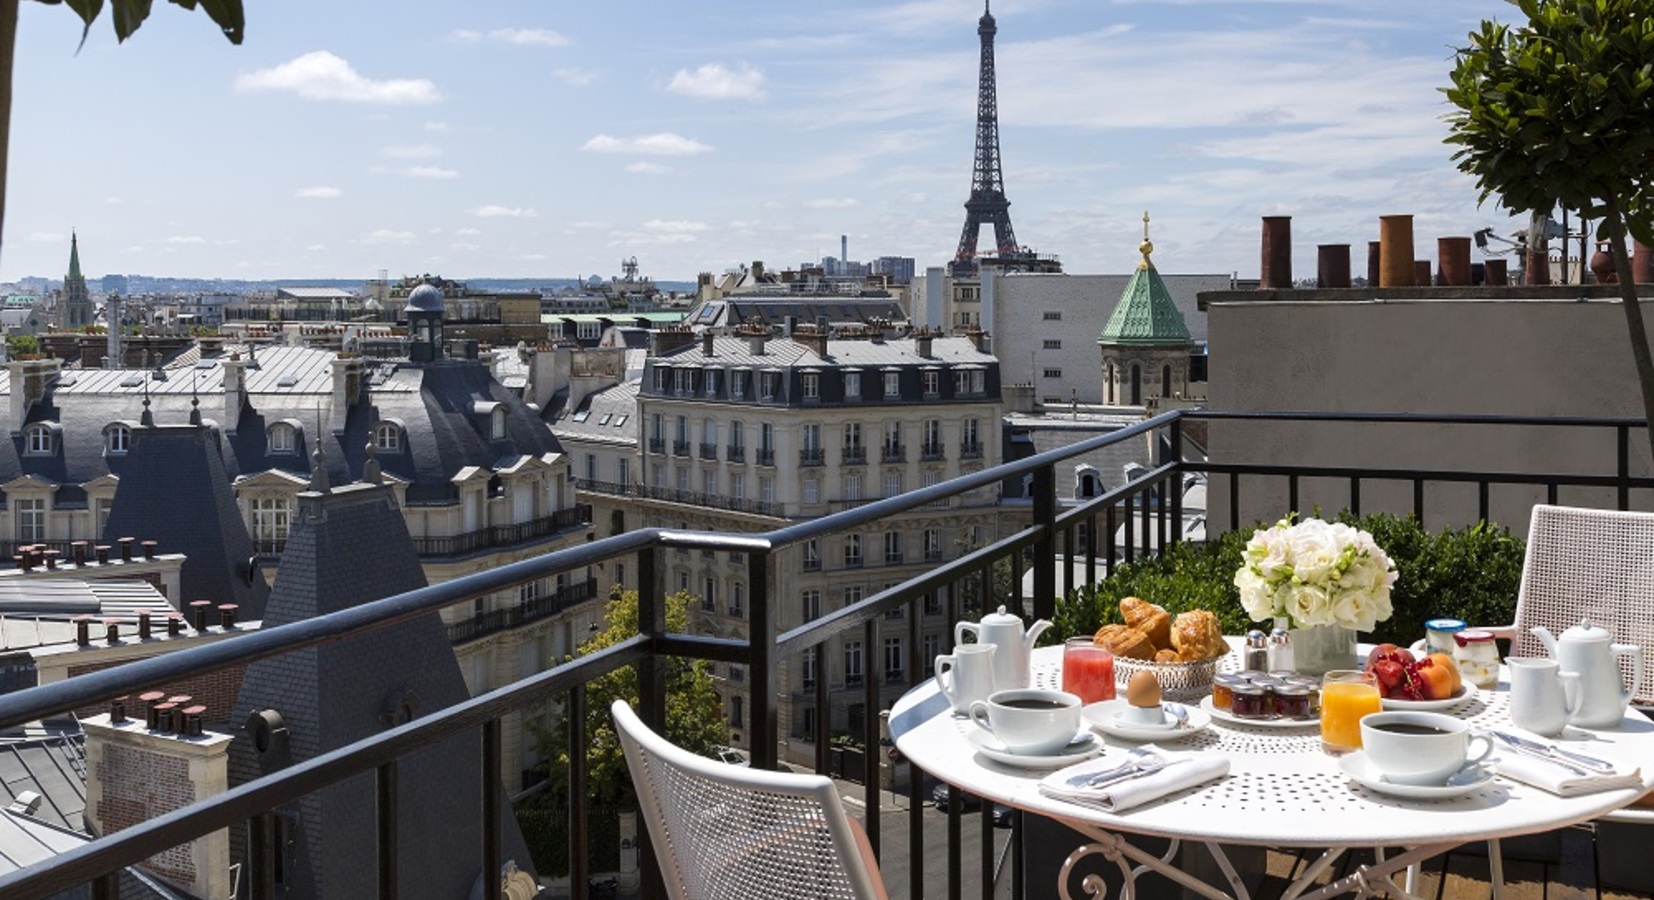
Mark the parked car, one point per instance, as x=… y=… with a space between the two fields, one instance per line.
x=969 y=802
x=732 y=756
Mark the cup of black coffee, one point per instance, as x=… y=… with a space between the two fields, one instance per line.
x=1030 y=721
x=1419 y=748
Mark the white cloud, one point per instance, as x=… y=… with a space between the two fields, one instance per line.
x=388 y=236
x=411 y=151
x=648 y=168
x=522 y=37
x=319 y=75
x=833 y=203
x=416 y=171
x=675 y=226
x=186 y=239
x=112 y=200
x=531 y=256
x=462 y=245
x=495 y=211
x=46 y=237
x=576 y=77
x=714 y=81
x=436 y=126
x=468 y=232
x=320 y=192
x=663 y=144
x=465 y=36
x=317 y=248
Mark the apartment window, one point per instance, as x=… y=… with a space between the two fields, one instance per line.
x=933 y=544
x=812 y=386
x=892 y=385
x=892 y=438
x=892 y=547
x=737 y=436
x=811 y=605
x=271 y=518
x=852 y=595
x=387 y=437
x=852 y=438
x=812 y=555
x=852 y=385
x=591 y=467
x=283 y=438
x=933 y=604
x=101 y=508
x=933 y=649
x=735 y=712
x=680 y=430
x=766 y=488
x=31 y=519
x=657 y=428
x=709 y=594
x=852 y=662
x=661 y=374
x=893 y=657
x=683 y=478
x=496 y=423
x=737 y=385
x=892 y=484
x=932 y=436
x=660 y=476
x=623 y=471
x=588 y=331
x=1053 y=373
x=852 y=550
x=709 y=432
x=737 y=486
x=972 y=432
x=812 y=490
x=1050 y=344
x=769 y=383
x=711 y=386
x=685 y=382
x=809 y=680
x=683 y=582
x=969 y=381
x=709 y=482
x=117 y=439
x=852 y=486
x=812 y=439
x=1052 y=315
x=620 y=574
x=766 y=438
x=930 y=479
x=933 y=382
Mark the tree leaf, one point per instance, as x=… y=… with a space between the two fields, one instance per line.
x=128 y=15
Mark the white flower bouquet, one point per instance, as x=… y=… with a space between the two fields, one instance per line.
x=1316 y=573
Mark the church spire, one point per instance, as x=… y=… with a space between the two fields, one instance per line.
x=74 y=255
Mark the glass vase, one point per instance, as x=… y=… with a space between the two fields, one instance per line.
x=1319 y=649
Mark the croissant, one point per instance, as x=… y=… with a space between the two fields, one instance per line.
x=1149 y=618
x=1166 y=656
x=1197 y=635
x=1126 y=641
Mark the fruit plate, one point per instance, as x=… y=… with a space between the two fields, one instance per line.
x=1223 y=715
x=1466 y=691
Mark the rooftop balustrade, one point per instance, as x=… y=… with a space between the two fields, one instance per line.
x=1151 y=503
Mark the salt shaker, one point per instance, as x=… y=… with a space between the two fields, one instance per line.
x=1280 y=651
x=1257 y=652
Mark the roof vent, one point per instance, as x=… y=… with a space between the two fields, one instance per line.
x=132 y=380
x=26 y=804
x=288 y=379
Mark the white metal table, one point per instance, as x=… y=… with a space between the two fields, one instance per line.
x=1281 y=791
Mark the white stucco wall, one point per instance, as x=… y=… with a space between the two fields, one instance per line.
x=1525 y=357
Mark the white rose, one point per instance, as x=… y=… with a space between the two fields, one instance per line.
x=1308 y=604
x=1314 y=550
x=1255 y=595
x=1356 y=609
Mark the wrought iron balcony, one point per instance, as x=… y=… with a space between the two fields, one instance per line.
x=971 y=450
x=680 y=448
x=816 y=457
x=527 y=612
x=697 y=498
x=498 y=536
x=855 y=456
x=709 y=451
x=657 y=445
x=766 y=457
x=930 y=452
x=767 y=651
x=735 y=454
x=893 y=453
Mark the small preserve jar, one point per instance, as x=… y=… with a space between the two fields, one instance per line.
x=1438 y=635
x=1249 y=702
x=1292 y=701
x=1477 y=657
x=1223 y=690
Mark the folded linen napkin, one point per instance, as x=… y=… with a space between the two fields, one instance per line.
x=1564 y=782
x=1181 y=770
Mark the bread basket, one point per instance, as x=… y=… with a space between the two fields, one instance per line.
x=1181 y=681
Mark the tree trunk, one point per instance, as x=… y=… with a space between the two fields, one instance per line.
x=1613 y=229
x=8 y=48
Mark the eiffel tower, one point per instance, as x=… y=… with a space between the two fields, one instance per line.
x=987 y=203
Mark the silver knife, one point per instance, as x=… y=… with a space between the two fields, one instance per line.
x=1554 y=753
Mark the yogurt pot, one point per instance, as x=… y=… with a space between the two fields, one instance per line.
x=1438 y=635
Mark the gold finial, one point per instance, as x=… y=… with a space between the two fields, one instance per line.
x=1147 y=246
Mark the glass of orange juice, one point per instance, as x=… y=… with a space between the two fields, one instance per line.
x=1346 y=696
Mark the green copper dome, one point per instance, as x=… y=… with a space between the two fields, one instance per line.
x=1145 y=315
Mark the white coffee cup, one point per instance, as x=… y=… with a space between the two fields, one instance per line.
x=1029 y=721
x=1542 y=696
x=1418 y=748
x=966 y=675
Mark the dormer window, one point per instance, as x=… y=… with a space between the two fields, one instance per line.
x=38 y=440
x=496 y=423
x=117 y=439
x=387 y=437
x=284 y=438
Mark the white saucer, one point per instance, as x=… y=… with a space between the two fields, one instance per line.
x=1224 y=716
x=1466 y=691
x=1361 y=771
x=1084 y=746
x=1104 y=715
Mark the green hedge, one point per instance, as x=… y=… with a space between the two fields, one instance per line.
x=1466 y=573
x=546 y=831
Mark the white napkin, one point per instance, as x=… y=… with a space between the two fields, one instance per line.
x=1181 y=771
x=1550 y=776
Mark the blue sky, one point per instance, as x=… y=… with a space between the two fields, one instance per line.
x=510 y=138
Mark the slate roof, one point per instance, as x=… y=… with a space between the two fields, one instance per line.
x=774 y=309
x=1027 y=435
x=1146 y=314
x=349 y=546
x=608 y=415
x=37 y=611
x=54 y=767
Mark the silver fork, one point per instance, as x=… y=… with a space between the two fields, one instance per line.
x=1138 y=762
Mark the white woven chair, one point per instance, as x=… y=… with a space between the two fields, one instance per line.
x=724 y=832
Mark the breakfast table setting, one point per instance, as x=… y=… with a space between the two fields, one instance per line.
x=1408 y=752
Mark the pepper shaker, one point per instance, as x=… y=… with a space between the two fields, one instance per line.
x=1256 y=657
x=1280 y=651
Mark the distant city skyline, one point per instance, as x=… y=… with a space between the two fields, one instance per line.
x=517 y=139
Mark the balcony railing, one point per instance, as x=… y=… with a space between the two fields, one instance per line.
x=576 y=516
x=815 y=457
x=680 y=448
x=709 y=451
x=735 y=454
x=657 y=445
x=529 y=611
x=893 y=453
x=930 y=452
x=971 y=451
x=765 y=647
x=855 y=456
x=766 y=457
x=696 y=498
x=617 y=488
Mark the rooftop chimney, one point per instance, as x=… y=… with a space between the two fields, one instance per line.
x=757 y=270
x=1332 y=265
x=1453 y=256
x=921 y=343
x=1275 y=268
x=668 y=338
x=706 y=343
x=1395 y=251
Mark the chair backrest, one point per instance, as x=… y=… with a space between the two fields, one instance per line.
x=1589 y=563
x=724 y=831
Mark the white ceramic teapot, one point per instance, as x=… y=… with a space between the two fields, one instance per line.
x=1590 y=651
x=1004 y=631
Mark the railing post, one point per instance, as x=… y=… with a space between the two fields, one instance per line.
x=1175 y=492
x=651 y=622
x=263 y=833
x=1045 y=547
x=492 y=812
x=1624 y=470
x=579 y=775
x=261 y=852
x=762 y=664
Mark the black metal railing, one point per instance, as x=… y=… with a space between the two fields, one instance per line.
x=766 y=457
x=496 y=536
x=854 y=456
x=735 y=454
x=657 y=445
x=605 y=487
x=709 y=451
x=893 y=453
x=971 y=450
x=764 y=647
x=930 y=452
x=680 y=448
x=816 y=457
x=529 y=611
x=719 y=501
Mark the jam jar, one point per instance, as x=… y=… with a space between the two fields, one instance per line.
x=1249 y=702
x=1223 y=690
x=1478 y=658
x=1292 y=701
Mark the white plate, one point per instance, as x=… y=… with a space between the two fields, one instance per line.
x=1222 y=715
x=1104 y=716
x=1466 y=691
x=1084 y=746
x=1361 y=771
